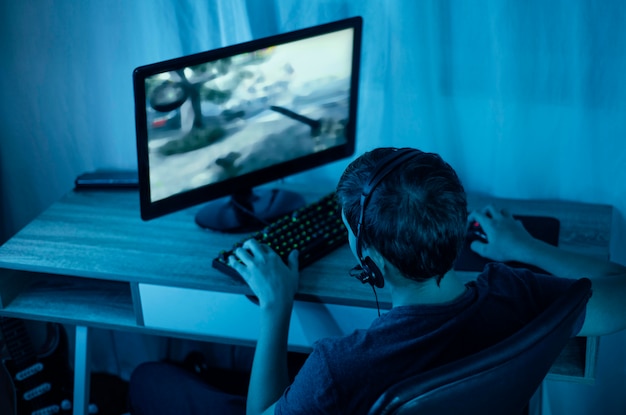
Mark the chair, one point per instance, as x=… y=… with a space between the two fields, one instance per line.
x=498 y=380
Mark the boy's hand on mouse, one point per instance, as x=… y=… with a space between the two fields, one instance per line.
x=272 y=282
x=506 y=236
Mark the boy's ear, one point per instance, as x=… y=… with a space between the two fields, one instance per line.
x=376 y=256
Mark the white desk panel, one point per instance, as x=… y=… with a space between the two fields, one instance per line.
x=233 y=318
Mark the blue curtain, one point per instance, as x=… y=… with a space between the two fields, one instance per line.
x=525 y=99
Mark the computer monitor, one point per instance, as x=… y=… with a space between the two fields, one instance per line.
x=213 y=126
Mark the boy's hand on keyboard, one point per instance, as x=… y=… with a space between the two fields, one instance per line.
x=272 y=281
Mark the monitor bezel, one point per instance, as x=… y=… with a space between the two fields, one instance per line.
x=153 y=209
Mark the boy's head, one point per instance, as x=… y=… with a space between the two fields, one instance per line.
x=416 y=217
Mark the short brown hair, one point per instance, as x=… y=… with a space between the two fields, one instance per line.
x=416 y=217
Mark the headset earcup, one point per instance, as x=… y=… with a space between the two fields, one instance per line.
x=374 y=273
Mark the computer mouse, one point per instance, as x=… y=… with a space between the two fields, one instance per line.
x=475 y=232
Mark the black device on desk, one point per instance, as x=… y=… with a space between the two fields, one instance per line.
x=214 y=125
x=107 y=179
x=315 y=230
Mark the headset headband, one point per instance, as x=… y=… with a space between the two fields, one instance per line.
x=368 y=271
x=383 y=168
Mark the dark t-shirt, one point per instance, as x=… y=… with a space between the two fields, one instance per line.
x=345 y=375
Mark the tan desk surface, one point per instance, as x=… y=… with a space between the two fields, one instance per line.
x=80 y=261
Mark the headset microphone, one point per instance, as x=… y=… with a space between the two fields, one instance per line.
x=367 y=271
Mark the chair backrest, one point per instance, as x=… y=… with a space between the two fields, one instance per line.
x=498 y=380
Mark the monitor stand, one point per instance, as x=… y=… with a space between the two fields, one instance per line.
x=249 y=210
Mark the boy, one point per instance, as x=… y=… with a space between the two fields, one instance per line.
x=406 y=215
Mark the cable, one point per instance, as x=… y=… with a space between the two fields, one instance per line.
x=376 y=297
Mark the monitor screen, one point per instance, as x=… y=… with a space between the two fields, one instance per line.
x=214 y=125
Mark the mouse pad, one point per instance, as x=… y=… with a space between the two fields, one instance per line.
x=541 y=227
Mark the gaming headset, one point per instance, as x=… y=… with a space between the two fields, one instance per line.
x=368 y=271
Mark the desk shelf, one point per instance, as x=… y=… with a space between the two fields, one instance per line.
x=67 y=300
x=577 y=362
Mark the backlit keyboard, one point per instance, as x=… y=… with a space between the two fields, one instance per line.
x=314 y=230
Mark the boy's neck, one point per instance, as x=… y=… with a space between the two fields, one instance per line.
x=408 y=292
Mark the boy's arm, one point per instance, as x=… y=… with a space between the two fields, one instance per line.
x=275 y=285
x=509 y=241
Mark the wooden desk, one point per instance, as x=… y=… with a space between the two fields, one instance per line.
x=89 y=261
